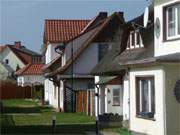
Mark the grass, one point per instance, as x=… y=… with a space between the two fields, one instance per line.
x=19 y=103
x=28 y=117
x=28 y=112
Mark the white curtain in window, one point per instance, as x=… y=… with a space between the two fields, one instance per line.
x=171 y=21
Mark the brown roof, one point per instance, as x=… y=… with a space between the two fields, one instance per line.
x=63 y=30
x=31 y=69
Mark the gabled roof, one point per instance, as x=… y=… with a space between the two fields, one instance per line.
x=57 y=31
x=86 y=44
x=31 y=69
x=24 y=54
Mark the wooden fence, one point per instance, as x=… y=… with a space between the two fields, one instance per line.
x=85 y=102
x=10 y=90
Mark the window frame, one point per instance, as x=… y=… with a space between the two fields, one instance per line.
x=152 y=106
x=166 y=22
x=135 y=45
x=116 y=97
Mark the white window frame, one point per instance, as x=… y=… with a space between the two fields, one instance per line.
x=139 y=90
x=140 y=45
x=116 y=96
x=176 y=22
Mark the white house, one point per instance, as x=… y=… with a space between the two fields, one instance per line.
x=87 y=50
x=151 y=63
x=52 y=38
x=21 y=57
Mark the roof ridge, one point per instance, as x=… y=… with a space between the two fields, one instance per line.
x=67 y=19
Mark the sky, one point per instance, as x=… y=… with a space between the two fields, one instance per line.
x=23 y=20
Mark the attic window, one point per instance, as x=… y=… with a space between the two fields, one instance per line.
x=135 y=40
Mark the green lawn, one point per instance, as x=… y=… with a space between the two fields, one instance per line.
x=29 y=112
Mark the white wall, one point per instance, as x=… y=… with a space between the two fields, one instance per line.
x=172 y=106
x=30 y=79
x=126 y=99
x=96 y=98
x=77 y=43
x=50 y=53
x=3 y=72
x=87 y=61
x=161 y=47
x=141 y=125
x=109 y=103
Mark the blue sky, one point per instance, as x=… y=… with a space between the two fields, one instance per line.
x=23 y=20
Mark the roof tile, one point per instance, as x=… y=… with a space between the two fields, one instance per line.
x=31 y=69
x=63 y=30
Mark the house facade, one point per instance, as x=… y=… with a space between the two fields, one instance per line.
x=88 y=49
x=151 y=63
x=52 y=39
x=21 y=57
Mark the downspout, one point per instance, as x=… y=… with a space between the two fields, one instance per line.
x=164 y=103
x=97 y=117
x=128 y=75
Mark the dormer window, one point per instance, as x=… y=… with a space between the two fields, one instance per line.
x=134 y=40
x=173 y=21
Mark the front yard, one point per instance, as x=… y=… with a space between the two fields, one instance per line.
x=30 y=115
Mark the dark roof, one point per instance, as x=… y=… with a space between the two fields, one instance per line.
x=115 y=60
x=169 y=58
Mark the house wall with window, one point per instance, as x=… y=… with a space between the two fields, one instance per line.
x=172 y=106
x=143 y=118
x=30 y=79
x=114 y=101
x=167 y=35
x=8 y=57
x=48 y=85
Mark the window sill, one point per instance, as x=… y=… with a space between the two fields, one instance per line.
x=146 y=118
x=116 y=105
x=173 y=39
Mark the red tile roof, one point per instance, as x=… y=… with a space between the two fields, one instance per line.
x=63 y=30
x=31 y=69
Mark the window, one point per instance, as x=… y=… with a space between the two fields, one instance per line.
x=116 y=97
x=103 y=48
x=6 y=61
x=145 y=97
x=173 y=21
x=134 y=40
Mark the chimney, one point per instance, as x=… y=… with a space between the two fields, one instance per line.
x=121 y=14
x=17 y=44
x=103 y=15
